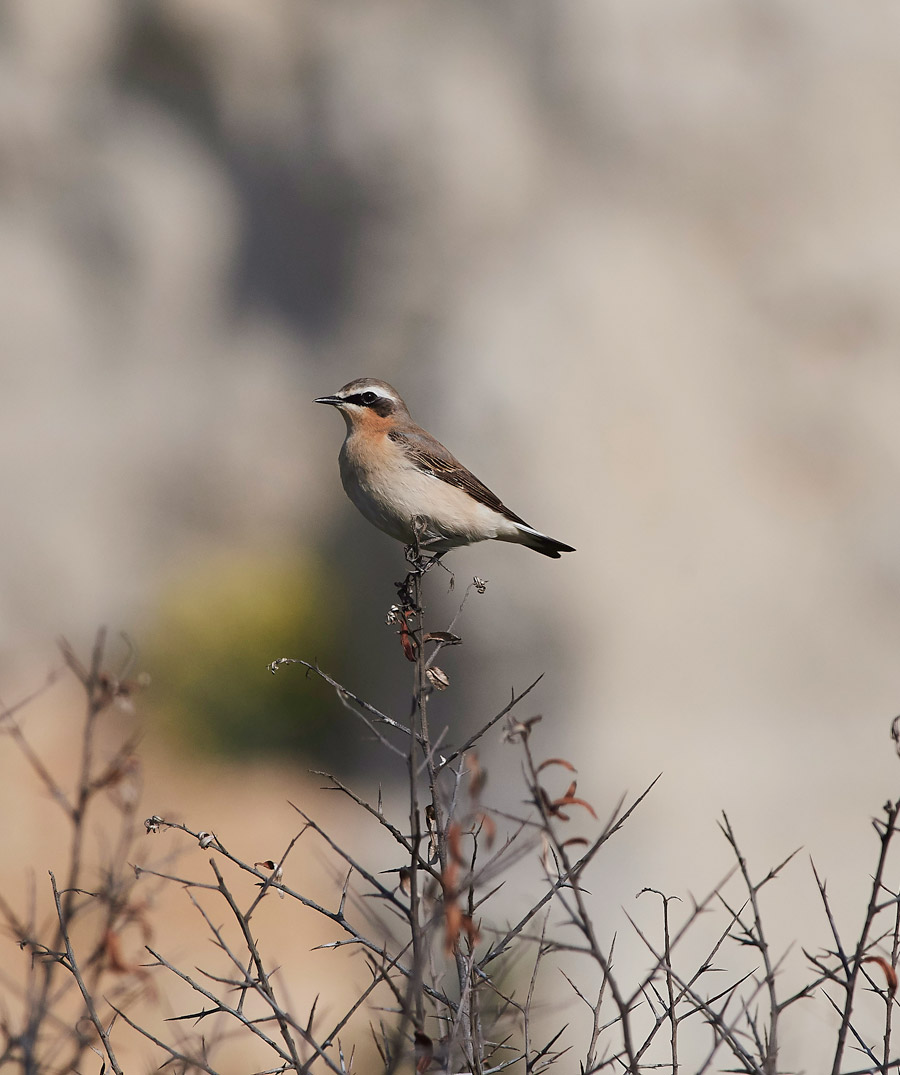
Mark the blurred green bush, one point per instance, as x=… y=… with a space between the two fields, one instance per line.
x=217 y=628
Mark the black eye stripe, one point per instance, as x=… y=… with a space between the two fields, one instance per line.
x=363 y=399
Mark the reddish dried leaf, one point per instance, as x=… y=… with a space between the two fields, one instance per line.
x=454 y=842
x=557 y=761
x=889 y=973
x=405 y=880
x=406 y=641
x=453 y=917
x=570 y=800
x=275 y=872
x=115 y=958
x=449 y=879
x=477 y=775
x=472 y=932
x=424 y=1052
x=118 y=964
x=112 y=946
x=580 y=840
x=553 y=806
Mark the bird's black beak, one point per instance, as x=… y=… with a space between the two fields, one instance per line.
x=332 y=401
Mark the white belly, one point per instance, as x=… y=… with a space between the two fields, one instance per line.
x=397 y=497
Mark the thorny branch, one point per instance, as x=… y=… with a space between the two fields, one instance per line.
x=446 y=984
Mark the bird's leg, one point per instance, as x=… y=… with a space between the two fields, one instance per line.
x=407 y=590
x=418 y=561
x=415 y=553
x=418 y=553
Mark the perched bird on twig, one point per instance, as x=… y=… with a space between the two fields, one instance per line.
x=410 y=486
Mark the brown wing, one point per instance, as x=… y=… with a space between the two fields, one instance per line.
x=431 y=456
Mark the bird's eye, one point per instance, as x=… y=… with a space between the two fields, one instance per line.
x=369 y=397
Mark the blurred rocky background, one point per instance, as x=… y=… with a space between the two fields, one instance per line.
x=636 y=263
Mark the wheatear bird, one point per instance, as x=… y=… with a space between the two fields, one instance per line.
x=410 y=486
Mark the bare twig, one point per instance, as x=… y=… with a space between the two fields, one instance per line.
x=71 y=965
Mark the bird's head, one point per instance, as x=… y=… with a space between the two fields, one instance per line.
x=364 y=398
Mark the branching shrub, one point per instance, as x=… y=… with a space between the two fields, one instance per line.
x=452 y=979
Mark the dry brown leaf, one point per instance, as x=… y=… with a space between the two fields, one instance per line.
x=557 y=761
x=453 y=917
x=424 y=1052
x=454 y=841
x=477 y=775
x=551 y=806
x=437 y=677
x=115 y=958
x=446 y=637
x=405 y=880
x=449 y=879
x=112 y=946
x=473 y=933
x=889 y=973
x=406 y=639
x=570 y=800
